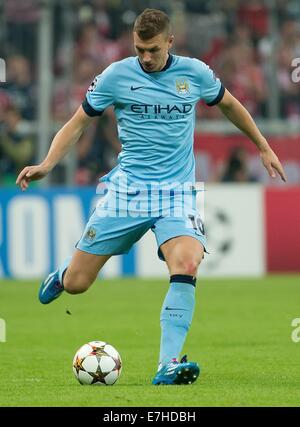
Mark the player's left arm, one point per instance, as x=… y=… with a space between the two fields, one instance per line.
x=242 y=119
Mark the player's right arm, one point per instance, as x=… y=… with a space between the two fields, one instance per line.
x=65 y=138
x=99 y=96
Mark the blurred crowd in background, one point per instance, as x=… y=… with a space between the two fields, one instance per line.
x=234 y=37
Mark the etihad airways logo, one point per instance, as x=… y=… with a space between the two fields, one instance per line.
x=161 y=109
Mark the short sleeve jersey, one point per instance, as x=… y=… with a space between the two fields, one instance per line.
x=155 y=114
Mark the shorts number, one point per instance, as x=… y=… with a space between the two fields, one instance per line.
x=197 y=224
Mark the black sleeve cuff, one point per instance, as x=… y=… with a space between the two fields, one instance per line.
x=218 y=98
x=89 y=110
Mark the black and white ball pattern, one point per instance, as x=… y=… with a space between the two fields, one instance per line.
x=97 y=363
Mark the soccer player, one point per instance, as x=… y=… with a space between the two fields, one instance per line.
x=154 y=96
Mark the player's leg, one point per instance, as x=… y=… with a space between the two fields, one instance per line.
x=105 y=235
x=74 y=276
x=82 y=271
x=182 y=248
x=183 y=255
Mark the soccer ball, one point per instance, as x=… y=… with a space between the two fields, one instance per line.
x=97 y=363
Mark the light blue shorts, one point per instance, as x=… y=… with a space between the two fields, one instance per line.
x=109 y=232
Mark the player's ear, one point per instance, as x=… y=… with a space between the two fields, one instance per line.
x=171 y=39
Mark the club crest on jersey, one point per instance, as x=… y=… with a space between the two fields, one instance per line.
x=182 y=87
x=93 y=85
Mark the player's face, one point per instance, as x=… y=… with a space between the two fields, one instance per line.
x=153 y=53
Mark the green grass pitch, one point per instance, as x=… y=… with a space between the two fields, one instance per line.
x=241 y=337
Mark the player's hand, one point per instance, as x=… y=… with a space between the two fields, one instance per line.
x=31 y=173
x=272 y=164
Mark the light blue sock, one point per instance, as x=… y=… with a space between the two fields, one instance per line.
x=63 y=268
x=176 y=316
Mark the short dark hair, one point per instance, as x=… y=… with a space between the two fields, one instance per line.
x=150 y=23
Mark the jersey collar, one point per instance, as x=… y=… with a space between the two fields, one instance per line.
x=168 y=64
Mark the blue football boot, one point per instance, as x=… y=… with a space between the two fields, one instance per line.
x=177 y=373
x=51 y=288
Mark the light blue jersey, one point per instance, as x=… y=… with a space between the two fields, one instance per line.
x=156 y=118
x=155 y=114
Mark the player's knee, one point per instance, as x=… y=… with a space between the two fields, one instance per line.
x=76 y=283
x=186 y=265
x=190 y=267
